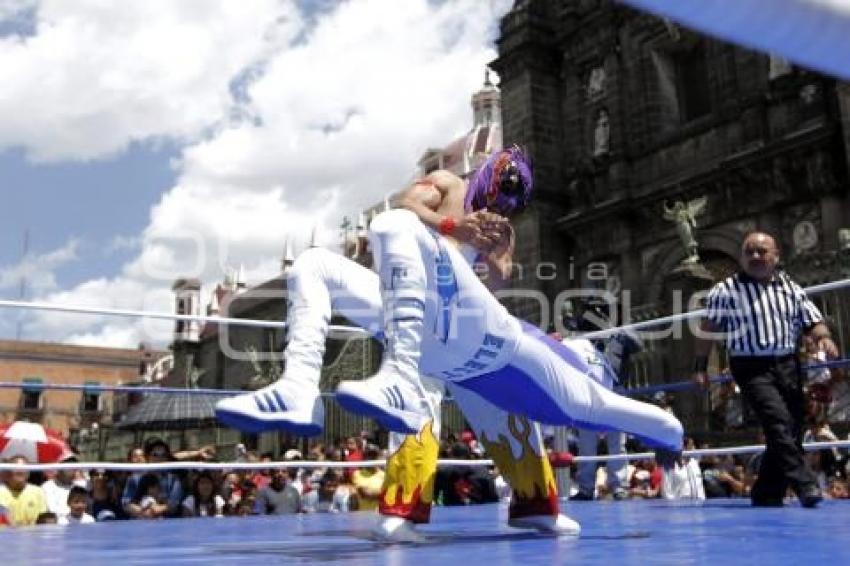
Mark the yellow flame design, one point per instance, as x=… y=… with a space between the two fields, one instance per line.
x=411 y=470
x=530 y=475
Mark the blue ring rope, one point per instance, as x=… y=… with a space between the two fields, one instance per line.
x=95 y=389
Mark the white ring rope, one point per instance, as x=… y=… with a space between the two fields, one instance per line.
x=192 y=465
x=345 y=329
x=701 y=453
x=813 y=290
x=74 y=309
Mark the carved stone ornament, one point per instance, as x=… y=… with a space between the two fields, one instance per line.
x=779 y=67
x=805 y=236
x=684 y=216
x=809 y=93
x=602 y=134
x=613 y=284
x=596 y=83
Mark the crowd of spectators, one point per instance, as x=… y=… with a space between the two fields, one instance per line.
x=71 y=498
x=66 y=497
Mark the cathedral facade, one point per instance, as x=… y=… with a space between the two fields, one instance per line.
x=629 y=118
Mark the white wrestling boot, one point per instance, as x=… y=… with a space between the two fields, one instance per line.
x=293 y=403
x=558 y=525
x=394 y=396
x=284 y=405
x=396 y=529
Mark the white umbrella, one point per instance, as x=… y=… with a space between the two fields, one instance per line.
x=33 y=442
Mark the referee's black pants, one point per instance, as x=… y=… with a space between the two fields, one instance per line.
x=773 y=388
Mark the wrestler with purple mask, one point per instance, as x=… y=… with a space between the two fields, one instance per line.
x=442 y=326
x=441 y=320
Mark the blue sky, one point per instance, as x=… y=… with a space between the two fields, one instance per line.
x=141 y=142
x=93 y=202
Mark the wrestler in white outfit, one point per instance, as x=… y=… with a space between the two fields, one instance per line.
x=438 y=318
x=485 y=349
x=321 y=282
x=478 y=345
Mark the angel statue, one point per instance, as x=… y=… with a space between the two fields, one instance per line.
x=266 y=370
x=684 y=215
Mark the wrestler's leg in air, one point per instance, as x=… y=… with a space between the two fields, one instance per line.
x=549 y=382
x=319 y=282
x=402 y=248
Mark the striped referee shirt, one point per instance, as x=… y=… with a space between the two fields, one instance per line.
x=761 y=319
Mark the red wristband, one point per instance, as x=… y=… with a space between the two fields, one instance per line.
x=447 y=225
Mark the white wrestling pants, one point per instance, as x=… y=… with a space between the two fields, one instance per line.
x=470 y=339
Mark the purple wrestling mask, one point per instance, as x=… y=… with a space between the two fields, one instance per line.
x=502 y=184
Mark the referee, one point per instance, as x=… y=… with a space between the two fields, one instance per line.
x=761 y=314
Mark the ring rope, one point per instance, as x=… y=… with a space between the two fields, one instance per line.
x=722 y=378
x=813 y=290
x=92 y=388
x=187 y=465
x=33 y=305
x=335 y=329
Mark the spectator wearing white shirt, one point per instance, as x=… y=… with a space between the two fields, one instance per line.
x=56 y=493
x=78 y=502
x=56 y=488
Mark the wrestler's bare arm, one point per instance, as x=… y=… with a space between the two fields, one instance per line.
x=429 y=198
x=440 y=195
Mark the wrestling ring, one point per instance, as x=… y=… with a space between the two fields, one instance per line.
x=653 y=530
x=648 y=531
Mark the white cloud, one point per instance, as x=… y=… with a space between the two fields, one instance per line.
x=13 y=10
x=121 y=243
x=98 y=75
x=109 y=336
x=114 y=293
x=39 y=270
x=323 y=127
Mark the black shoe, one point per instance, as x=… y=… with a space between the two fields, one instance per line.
x=581 y=496
x=620 y=494
x=810 y=496
x=668 y=459
x=768 y=502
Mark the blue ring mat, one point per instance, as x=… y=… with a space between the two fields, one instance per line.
x=627 y=532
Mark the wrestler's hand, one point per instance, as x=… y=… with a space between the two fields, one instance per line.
x=495 y=230
x=504 y=241
x=491 y=222
x=470 y=230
